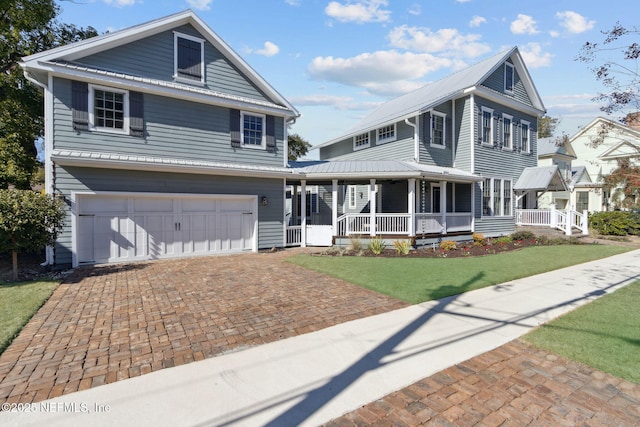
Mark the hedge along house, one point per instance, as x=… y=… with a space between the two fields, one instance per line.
x=163 y=142
x=438 y=162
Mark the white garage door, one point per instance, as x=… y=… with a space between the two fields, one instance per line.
x=111 y=228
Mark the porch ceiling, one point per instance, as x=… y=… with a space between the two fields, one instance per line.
x=377 y=169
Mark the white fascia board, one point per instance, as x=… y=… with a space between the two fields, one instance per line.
x=501 y=99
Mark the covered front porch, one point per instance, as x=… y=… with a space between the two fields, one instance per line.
x=400 y=200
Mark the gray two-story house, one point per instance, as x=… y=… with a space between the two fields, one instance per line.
x=438 y=161
x=163 y=142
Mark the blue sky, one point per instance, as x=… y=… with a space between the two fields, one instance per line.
x=337 y=60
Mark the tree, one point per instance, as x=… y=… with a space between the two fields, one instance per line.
x=620 y=75
x=26 y=27
x=547 y=126
x=29 y=221
x=624 y=182
x=298 y=146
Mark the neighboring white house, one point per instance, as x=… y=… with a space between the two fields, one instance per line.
x=598 y=146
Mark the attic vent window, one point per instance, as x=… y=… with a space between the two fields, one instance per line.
x=361 y=141
x=508 y=77
x=188 y=58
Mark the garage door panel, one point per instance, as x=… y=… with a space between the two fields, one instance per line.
x=161 y=227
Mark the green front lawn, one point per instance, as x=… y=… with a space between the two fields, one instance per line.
x=18 y=303
x=604 y=334
x=417 y=280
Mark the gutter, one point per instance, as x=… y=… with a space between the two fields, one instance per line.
x=416 y=137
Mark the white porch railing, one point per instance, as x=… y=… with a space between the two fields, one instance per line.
x=294 y=235
x=564 y=220
x=387 y=223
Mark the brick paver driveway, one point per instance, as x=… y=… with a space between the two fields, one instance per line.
x=109 y=323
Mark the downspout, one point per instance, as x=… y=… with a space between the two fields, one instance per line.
x=48 y=144
x=416 y=139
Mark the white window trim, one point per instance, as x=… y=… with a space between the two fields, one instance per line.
x=263 y=142
x=92 y=114
x=528 y=124
x=492 y=185
x=176 y=77
x=513 y=77
x=352 y=189
x=492 y=131
x=362 y=147
x=444 y=130
x=389 y=139
x=511 y=136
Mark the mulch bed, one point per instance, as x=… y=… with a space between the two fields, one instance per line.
x=462 y=250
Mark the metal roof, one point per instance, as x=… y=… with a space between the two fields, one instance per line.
x=365 y=169
x=435 y=93
x=540 y=178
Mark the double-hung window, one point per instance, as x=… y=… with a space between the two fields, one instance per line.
x=253 y=130
x=351 y=194
x=507 y=132
x=361 y=141
x=509 y=77
x=438 y=129
x=525 y=137
x=386 y=134
x=108 y=109
x=496 y=197
x=188 y=58
x=487 y=126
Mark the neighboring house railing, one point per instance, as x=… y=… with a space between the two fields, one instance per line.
x=564 y=220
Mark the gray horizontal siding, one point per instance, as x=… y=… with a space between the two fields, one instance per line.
x=465 y=135
x=432 y=155
x=270 y=218
x=494 y=161
x=153 y=57
x=495 y=226
x=173 y=128
x=496 y=82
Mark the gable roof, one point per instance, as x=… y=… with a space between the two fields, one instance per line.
x=623 y=149
x=540 y=178
x=615 y=125
x=553 y=146
x=61 y=58
x=450 y=87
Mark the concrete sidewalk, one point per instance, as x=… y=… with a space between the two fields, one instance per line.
x=313 y=378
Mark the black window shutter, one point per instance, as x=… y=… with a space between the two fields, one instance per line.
x=136 y=114
x=271 y=132
x=427 y=128
x=80 y=105
x=234 y=127
x=189 y=58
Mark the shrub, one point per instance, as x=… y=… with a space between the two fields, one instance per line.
x=402 y=246
x=447 y=245
x=355 y=243
x=616 y=223
x=522 y=235
x=503 y=240
x=478 y=239
x=376 y=246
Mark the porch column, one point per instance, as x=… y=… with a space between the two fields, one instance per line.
x=303 y=213
x=411 y=203
x=334 y=207
x=372 y=207
x=443 y=205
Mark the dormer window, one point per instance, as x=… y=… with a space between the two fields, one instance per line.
x=509 y=75
x=386 y=134
x=188 y=58
x=361 y=141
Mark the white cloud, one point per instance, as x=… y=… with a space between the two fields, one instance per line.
x=534 y=57
x=337 y=102
x=120 y=3
x=361 y=11
x=292 y=2
x=381 y=72
x=269 y=49
x=415 y=9
x=574 y=22
x=447 y=41
x=463 y=1
x=524 y=24
x=200 y=4
x=476 y=21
